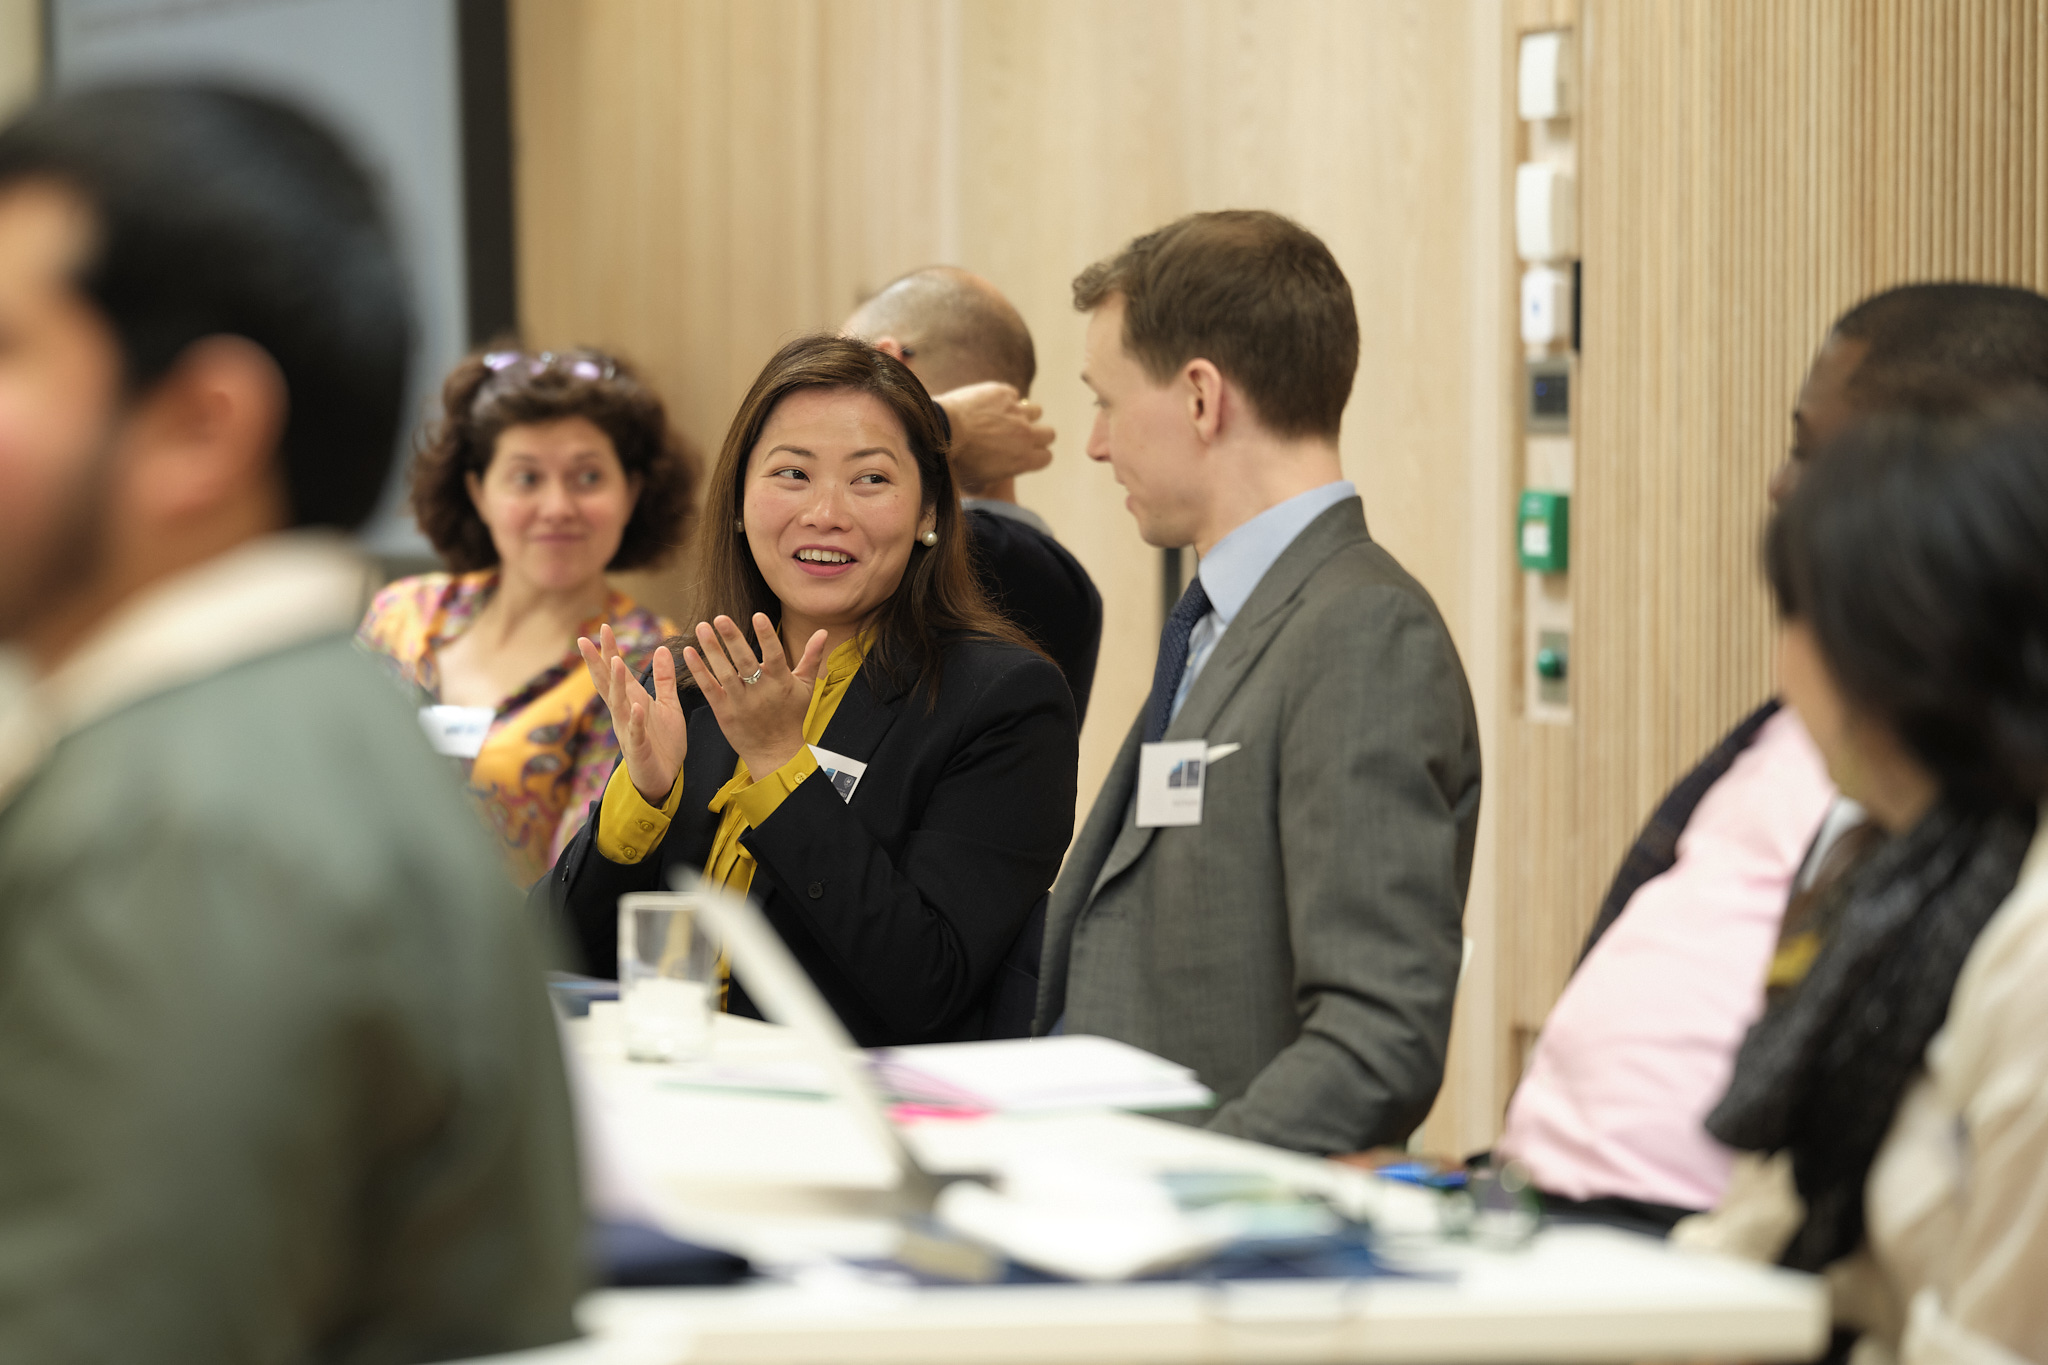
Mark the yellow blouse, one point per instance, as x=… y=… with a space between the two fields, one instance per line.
x=550 y=746
x=629 y=827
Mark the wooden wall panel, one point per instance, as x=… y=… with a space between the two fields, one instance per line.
x=21 y=53
x=699 y=179
x=1748 y=169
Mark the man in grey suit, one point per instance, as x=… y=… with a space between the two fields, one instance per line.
x=1271 y=885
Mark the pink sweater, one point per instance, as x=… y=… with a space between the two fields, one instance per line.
x=1640 y=1046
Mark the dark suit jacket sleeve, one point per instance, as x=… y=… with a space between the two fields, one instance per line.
x=580 y=893
x=1378 y=806
x=1044 y=591
x=921 y=934
x=583 y=890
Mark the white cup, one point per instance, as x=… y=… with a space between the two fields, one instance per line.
x=668 y=976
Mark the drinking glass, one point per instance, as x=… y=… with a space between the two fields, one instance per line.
x=668 y=976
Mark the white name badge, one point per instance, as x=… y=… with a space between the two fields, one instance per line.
x=1170 y=778
x=457 y=731
x=842 y=772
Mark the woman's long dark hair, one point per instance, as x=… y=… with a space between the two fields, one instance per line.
x=1916 y=549
x=939 y=597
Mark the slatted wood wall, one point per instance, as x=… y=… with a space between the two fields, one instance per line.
x=1748 y=169
x=699 y=179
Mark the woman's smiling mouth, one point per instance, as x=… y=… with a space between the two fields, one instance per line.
x=823 y=562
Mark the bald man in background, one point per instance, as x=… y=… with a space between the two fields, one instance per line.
x=970 y=348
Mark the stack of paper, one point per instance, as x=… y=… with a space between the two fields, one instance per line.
x=1033 y=1075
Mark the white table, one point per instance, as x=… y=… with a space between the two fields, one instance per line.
x=791 y=1181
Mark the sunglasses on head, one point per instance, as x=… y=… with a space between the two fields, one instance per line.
x=582 y=367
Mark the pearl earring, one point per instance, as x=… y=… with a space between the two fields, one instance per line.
x=740 y=524
x=930 y=538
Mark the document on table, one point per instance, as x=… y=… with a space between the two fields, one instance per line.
x=1015 y=1076
x=1034 y=1075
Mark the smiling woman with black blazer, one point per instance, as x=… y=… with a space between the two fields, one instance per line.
x=910 y=891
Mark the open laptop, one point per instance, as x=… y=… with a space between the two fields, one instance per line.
x=779 y=985
x=787 y=996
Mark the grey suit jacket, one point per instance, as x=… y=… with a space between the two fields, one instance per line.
x=1300 y=947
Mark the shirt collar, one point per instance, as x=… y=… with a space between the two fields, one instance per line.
x=254 y=600
x=1236 y=563
x=845 y=660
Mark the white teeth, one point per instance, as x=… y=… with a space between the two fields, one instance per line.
x=824 y=556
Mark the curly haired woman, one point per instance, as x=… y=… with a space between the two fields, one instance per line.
x=545 y=472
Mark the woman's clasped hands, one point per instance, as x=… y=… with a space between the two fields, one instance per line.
x=652 y=731
x=760 y=703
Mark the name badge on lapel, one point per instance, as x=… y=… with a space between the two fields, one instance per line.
x=842 y=772
x=457 y=731
x=1170 y=778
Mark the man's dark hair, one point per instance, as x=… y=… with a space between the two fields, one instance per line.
x=1932 y=347
x=1255 y=294
x=1916 y=550
x=223 y=213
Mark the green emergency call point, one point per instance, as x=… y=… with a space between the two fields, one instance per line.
x=1543 y=531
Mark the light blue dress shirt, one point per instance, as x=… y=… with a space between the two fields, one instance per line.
x=1236 y=563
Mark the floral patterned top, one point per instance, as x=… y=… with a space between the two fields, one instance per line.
x=550 y=748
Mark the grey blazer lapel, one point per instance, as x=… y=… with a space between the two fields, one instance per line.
x=1075 y=888
x=1264 y=613
x=1235 y=654
x=1121 y=784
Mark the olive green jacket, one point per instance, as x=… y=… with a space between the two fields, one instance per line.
x=278 y=1077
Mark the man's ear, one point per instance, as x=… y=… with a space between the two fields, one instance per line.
x=1204 y=388
x=206 y=435
x=888 y=346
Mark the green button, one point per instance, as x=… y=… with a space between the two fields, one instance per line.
x=1550 y=664
x=1543 y=531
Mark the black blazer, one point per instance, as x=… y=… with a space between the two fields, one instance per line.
x=904 y=903
x=1031 y=579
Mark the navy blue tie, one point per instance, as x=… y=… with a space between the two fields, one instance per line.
x=1173 y=657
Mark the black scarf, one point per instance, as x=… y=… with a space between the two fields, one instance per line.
x=1823 y=1071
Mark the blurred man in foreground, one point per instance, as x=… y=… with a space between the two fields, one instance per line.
x=278 y=1080
x=969 y=345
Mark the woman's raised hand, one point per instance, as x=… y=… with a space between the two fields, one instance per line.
x=763 y=719
x=653 y=735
